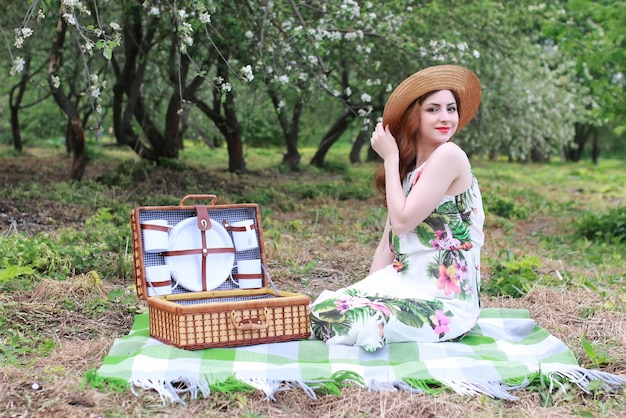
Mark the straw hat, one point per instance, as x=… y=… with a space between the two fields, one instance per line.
x=440 y=77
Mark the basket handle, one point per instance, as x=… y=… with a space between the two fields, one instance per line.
x=250 y=323
x=211 y=197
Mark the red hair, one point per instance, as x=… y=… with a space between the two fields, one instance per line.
x=407 y=138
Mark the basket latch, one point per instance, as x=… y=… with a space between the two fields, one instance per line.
x=204 y=222
x=250 y=323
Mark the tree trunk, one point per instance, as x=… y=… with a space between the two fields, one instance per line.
x=172 y=140
x=291 y=159
x=128 y=105
x=372 y=156
x=228 y=124
x=291 y=129
x=595 y=150
x=331 y=136
x=77 y=135
x=15 y=100
x=539 y=156
x=575 y=153
x=355 y=152
x=236 y=162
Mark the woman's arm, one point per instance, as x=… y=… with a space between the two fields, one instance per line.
x=383 y=256
x=446 y=171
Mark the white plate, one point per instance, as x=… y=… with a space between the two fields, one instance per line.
x=187 y=269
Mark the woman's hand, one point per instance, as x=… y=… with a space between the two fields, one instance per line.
x=384 y=143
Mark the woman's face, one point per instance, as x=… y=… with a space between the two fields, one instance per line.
x=439 y=117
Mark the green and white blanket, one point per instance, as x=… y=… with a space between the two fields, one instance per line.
x=504 y=352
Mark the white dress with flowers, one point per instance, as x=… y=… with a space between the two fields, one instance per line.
x=428 y=294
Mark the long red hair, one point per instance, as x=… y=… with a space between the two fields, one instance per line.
x=407 y=138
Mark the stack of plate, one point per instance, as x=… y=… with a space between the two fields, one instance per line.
x=187 y=269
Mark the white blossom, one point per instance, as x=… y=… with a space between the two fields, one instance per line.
x=334 y=36
x=348 y=91
x=76 y=4
x=283 y=79
x=56 y=83
x=115 y=26
x=247 y=73
x=366 y=97
x=476 y=54
x=88 y=46
x=69 y=18
x=186 y=27
x=249 y=34
x=206 y=18
x=26 y=32
x=352 y=7
x=154 y=11
x=18 y=65
x=364 y=112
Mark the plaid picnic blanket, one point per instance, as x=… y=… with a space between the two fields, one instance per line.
x=506 y=351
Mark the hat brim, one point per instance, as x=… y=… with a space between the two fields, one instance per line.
x=440 y=77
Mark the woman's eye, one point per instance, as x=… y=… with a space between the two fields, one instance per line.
x=452 y=109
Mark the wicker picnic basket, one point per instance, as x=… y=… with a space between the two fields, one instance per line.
x=216 y=312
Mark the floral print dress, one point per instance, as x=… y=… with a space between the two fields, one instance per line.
x=429 y=293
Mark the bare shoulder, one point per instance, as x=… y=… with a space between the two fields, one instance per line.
x=450 y=153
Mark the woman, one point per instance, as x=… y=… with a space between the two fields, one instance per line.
x=424 y=279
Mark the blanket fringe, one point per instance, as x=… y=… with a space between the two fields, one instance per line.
x=267 y=386
x=496 y=390
x=306 y=387
x=405 y=387
x=171 y=390
x=586 y=379
x=557 y=375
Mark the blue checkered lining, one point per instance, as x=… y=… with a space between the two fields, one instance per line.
x=231 y=215
x=218 y=300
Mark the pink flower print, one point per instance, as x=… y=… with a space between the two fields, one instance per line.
x=448 y=281
x=445 y=240
x=417 y=177
x=348 y=303
x=398 y=265
x=462 y=271
x=441 y=322
x=380 y=307
x=467 y=245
